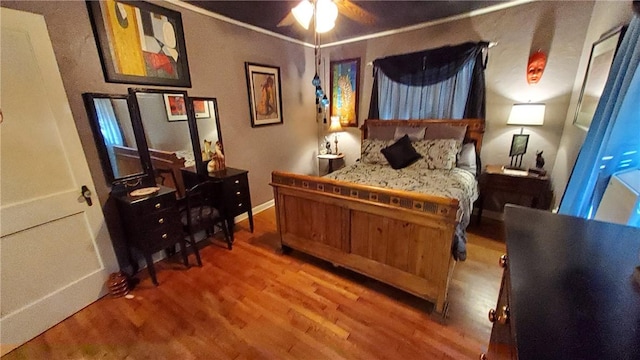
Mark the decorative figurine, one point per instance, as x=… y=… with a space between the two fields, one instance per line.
x=327 y=145
x=539 y=160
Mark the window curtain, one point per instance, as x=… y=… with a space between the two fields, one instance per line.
x=446 y=82
x=109 y=127
x=612 y=143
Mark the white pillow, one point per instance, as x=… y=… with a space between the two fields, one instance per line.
x=467 y=158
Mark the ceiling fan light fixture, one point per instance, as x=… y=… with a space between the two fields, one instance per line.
x=303 y=13
x=324 y=26
x=326 y=15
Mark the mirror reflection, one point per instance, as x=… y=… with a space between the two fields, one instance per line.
x=209 y=134
x=164 y=116
x=114 y=135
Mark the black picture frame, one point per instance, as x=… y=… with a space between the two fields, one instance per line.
x=600 y=61
x=162 y=60
x=519 y=144
x=265 y=94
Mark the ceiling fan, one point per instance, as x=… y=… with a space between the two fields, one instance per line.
x=326 y=12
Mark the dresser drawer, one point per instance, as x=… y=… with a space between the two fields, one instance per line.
x=237 y=198
x=156 y=220
x=158 y=203
x=157 y=239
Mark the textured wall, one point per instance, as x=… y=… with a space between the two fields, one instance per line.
x=216 y=51
x=563 y=29
x=607 y=16
x=558 y=28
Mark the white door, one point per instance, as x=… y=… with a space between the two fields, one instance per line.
x=55 y=250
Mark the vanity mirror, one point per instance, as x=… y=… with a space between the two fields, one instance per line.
x=166 y=125
x=208 y=135
x=115 y=137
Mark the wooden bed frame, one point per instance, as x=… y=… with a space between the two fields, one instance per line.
x=128 y=158
x=401 y=238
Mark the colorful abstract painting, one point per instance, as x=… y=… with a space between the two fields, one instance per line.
x=345 y=75
x=140 y=43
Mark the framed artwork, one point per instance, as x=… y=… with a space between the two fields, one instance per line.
x=595 y=78
x=265 y=101
x=519 y=144
x=345 y=75
x=140 y=43
x=175 y=106
x=201 y=109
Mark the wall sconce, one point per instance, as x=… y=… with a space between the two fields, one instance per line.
x=524 y=115
x=335 y=127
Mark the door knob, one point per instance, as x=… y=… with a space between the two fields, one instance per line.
x=86 y=194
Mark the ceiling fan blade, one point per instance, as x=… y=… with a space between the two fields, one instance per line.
x=287 y=20
x=355 y=12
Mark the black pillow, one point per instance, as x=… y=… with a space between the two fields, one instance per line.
x=401 y=154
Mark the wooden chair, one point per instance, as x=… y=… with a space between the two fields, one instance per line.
x=199 y=214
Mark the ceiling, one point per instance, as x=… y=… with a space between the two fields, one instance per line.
x=388 y=15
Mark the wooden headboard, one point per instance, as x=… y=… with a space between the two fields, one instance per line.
x=475 y=127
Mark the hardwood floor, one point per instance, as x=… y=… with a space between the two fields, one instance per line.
x=251 y=303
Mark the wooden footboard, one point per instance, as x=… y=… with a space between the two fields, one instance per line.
x=400 y=238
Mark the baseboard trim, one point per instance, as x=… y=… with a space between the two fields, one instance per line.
x=257 y=209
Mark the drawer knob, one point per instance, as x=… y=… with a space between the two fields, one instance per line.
x=504 y=261
x=161 y=221
x=492 y=316
x=239 y=205
x=502 y=318
x=237 y=181
x=158 y=206
x=164 y=236
x=237 y=192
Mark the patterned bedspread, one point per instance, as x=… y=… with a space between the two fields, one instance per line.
x=188 y=157
x=455 y=183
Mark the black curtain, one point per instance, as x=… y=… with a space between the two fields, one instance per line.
x=428 y=67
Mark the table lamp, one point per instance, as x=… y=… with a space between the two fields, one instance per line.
x=525 y=115
x=335 y=127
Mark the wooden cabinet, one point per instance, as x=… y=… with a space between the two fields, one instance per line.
x=499 y=186
x=232 y=192
x=151 y=223
x=568 y=288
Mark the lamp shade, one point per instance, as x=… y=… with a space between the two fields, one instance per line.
x=526 y=114
x=303 y=13
x=327 y=13
x=335 y=124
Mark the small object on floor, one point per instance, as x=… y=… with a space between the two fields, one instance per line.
x=129 y=296
x=118 y=284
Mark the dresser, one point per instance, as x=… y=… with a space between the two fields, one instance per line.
x=232 y=192
x=151 y=223
x=568 y=290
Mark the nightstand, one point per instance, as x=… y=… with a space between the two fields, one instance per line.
x=332 y=158
x=520 y=187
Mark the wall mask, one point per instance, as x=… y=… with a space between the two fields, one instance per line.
x=535 y=68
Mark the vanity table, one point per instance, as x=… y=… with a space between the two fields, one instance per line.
x=568 y=290
x=232 y=192
x=151 y=223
